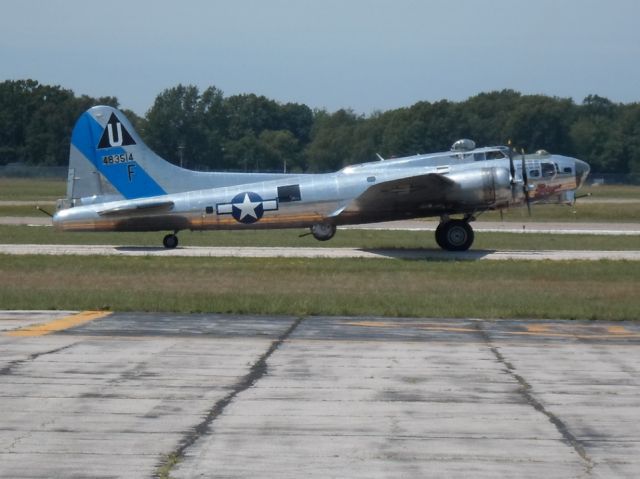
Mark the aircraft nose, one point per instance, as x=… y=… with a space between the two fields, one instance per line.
x=582 y=171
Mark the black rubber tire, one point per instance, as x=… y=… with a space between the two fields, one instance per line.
x=170 y=241
x=455 y=235
x=440 y=232
x=323 y=232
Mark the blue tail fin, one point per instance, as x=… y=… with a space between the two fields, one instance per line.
x=108 y=161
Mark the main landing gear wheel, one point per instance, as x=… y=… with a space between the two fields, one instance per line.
x=170 y=241
x=323 y=231
x=454 y=235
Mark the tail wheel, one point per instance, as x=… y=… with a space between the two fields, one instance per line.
x=455 y=235
x=323 y=231
x=170 y=241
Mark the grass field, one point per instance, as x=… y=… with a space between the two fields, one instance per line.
x=26 y=210
x=32 y=189
x=581 y=212
x=612 y=191
x=366 y=239
x=581 y=290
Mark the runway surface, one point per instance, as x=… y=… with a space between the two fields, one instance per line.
x=282 y=252
x=96 y=394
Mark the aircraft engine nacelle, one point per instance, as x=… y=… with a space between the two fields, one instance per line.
x=481 y=188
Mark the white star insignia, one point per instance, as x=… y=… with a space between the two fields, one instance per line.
x=247 y=207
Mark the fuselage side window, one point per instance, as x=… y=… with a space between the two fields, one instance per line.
x=289 y=193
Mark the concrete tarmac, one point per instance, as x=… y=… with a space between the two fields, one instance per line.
x=305 y=252
x=135 y=395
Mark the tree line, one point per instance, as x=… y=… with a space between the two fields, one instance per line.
x=210 y=131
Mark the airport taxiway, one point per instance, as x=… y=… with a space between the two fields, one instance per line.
x=98 y=394
x=305 y=252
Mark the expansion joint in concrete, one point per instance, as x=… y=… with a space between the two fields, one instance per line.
x=526 y=391
x=9 y=368
x=257 y=371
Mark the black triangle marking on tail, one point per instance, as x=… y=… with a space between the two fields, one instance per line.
x=115 y=134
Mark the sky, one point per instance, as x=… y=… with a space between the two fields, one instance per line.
x=369 y=56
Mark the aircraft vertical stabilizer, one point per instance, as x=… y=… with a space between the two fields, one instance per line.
x=109 y=161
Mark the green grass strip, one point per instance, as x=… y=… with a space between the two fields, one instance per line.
x=344 y=238
x=392 y=288
x=32 y=189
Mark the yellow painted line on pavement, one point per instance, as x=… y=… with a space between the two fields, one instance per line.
x=617 y=330
x=538 y=328
x=58 y=324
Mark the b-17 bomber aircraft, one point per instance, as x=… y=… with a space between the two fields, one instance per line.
x=116 y=183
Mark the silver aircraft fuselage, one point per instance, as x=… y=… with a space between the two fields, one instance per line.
x=479 y=186
x=116 y=183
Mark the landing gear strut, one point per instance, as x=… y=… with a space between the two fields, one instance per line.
x=170 y=241
x=454 y=235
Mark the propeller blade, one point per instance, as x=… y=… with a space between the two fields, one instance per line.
x=512 y=166
x=525 y=182
x=512 y=170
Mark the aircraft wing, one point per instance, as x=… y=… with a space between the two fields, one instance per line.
x=405 y=194
x=146 y=207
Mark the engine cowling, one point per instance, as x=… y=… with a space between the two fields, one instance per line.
x=481 y=188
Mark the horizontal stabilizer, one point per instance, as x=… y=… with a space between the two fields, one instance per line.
x=155 y=207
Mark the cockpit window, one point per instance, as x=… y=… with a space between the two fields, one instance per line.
x=495 y=155
x=534 y=173
x=478 y=156
x=548 y=170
